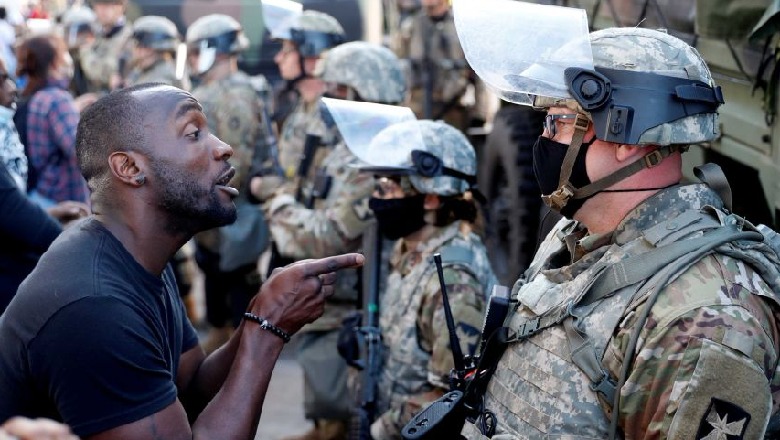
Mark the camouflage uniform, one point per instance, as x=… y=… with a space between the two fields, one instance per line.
x=417 y=358
x=702 y=365
x=451 y=76
x=334 y=224
x=710 y=340
x=101 y=60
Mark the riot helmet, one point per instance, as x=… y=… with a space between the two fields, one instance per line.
x=155 y=32
x=436 y=156
x=77 y=23
x=214 y=34
x=312 y=32
x=636 y=86
x=372 y=71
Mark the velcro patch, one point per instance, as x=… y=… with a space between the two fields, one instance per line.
x=723 y=421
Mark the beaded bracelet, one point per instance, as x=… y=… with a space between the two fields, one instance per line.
x=265 y=325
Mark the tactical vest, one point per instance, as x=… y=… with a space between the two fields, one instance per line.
x=551 y=382
x=404 y=367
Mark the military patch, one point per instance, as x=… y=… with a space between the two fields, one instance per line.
x=723 y=421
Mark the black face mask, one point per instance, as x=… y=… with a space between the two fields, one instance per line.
x=398 y=218
x=548 y=160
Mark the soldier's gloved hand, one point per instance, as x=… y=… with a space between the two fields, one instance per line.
x=295 y=295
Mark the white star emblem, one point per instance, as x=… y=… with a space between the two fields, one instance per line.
x=721 y=428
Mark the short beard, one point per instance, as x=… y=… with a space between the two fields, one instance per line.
x=191 y=207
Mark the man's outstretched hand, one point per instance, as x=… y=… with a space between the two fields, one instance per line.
x=295 y=295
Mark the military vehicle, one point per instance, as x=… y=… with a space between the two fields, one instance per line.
x=748 y=149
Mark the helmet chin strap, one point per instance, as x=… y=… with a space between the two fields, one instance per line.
x=566 y=191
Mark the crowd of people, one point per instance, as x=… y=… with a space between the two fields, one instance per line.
x=650 y=310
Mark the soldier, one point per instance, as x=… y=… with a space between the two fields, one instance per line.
x=651 y=310
x=427 y=212
x=441 y=83
x=333 y=216
x=77 y=23
x=234 y=110
x=103 y=56
x=304 y=37
x=156 y=40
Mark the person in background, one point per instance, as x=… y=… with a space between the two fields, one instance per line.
x=25 y=228
x=155 y=41
x=425 y=213
x=331 y=218
x=46 y=119
x=304 y=38
x=104 y=57
x=76 y=25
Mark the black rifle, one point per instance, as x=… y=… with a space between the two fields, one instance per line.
x=369 y=336
x=445 y=417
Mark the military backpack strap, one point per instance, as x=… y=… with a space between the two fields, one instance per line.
x=712 y=175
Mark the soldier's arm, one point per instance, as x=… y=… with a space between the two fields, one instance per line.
x=310 y=233
x=467 y=303
x=705 y=357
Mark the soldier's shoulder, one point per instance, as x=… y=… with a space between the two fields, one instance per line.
x=715 y=281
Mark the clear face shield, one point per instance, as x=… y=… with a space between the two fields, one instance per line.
x=359 y=123
x=527 y=58
x=279 y=16
x=206 y=57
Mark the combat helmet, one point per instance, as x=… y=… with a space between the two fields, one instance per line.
x=76 y=21
x=436 y=156
x=312 y=32
x=373 y=71
x=636 y=86
x=156 y=32
x=213 y=34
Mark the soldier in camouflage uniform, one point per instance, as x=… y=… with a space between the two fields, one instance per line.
x=304 y=38
x=155 y=40
x=441 y=82
x=648 y=312
x=102 y=58
x=77 y=26
x=332 y=219
x=427 y=214
x=234 y=112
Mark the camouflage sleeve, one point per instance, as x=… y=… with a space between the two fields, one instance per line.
x=704 y=358
x=467 y=303
x=316 y=233
x=100 y=60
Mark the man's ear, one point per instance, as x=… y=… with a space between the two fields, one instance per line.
x=127 y=167
x=431 y=202
x=625 y=152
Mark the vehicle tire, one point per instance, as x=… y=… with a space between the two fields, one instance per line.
x=507 y=179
